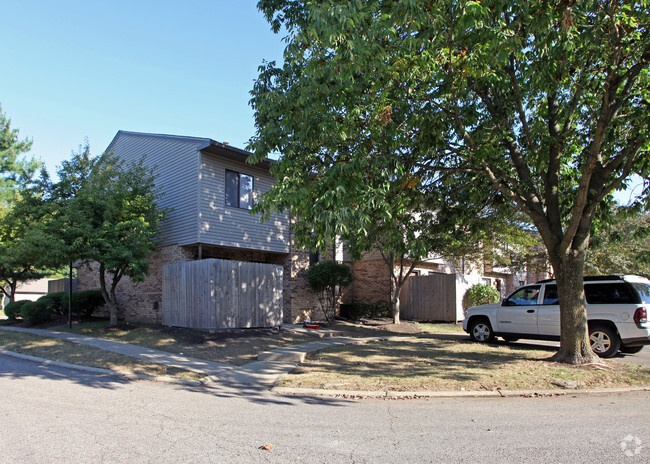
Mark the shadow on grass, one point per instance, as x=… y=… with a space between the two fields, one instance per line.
x=237 y=347
x=445 y=357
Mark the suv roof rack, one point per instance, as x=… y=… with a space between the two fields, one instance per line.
x=589 y=278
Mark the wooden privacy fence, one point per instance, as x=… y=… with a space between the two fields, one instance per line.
x=221 y=294
x=429 y=298
x=436 y=297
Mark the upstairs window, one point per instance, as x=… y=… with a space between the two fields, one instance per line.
x=239 y=190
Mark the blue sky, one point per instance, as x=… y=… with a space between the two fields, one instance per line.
x=75 y=69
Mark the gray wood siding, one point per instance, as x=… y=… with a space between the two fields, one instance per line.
x=235 y=227
x=176 y=165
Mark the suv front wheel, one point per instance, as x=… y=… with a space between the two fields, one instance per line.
x=480 y=330
x=604 y=341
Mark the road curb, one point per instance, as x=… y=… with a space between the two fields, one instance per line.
x=314 y=392
x=102 y=371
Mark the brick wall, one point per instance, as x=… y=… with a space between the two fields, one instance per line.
x=371 y=283
x=140 y=301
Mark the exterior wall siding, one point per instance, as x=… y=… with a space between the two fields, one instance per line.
x=176 y=165
x=228 y=226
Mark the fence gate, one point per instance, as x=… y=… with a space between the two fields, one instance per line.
x=221 y=294
x=429 y=298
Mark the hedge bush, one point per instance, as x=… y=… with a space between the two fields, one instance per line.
x=36 y=312
x=57 y=298
x=481 y=294
x=14 y=308
x=84 y=302
x=357 y=311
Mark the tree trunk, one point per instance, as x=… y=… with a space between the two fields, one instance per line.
x=109 y=297
x=12 y=288
x=575 y=347
x=394 y=304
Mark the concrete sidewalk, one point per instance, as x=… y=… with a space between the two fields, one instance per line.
x=264 y=373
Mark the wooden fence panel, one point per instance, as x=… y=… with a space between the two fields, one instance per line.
x=429 y=298
x=215 y=293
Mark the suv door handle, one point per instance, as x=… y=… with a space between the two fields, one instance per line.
x=530 y=311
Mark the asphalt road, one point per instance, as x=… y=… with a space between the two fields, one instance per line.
x=53 y=415
x=642 y=357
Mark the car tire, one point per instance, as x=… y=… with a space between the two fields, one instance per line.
x=631 y=349
x=604 y=341
x=481 y=331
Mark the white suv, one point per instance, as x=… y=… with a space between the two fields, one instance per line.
x=617 y=314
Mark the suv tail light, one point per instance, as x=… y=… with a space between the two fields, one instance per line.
x=640 y=315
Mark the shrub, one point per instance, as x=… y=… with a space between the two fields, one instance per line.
x=480 y=294
x=57 y=299
x=328 y=278
x=357 y=311
x=84 y=302
x=14 y=308
x=38 y=311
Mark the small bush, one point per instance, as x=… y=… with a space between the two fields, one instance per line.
x=57 y=299
x=36 y=312
x=328 y=278
x=84 y=302
x=481 y=294
x=13 y=309
x=357 y=311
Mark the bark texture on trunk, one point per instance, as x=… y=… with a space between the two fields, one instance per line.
x=109 y=295
x=575 y=347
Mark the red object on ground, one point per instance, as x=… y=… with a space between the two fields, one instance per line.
x=311 y=326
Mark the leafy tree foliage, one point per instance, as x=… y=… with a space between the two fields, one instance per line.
x=22 y=246
x=546 y=102
x=14 y=170
x=621 y=246
x=19 y=260
x=106 y=212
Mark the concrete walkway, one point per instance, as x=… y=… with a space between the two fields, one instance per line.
x=264 y=373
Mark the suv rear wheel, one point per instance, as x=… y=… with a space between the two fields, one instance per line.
x=480 y=330
x=604 y=341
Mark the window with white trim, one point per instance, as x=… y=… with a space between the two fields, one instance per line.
x=239 y=190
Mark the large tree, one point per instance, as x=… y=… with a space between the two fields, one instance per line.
x=105 y=212
x=548 y=101
x=22 y=243
x=15 y=168
x=18 y=262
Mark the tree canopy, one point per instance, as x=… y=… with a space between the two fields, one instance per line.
x=106 y=211
x=14 y=169
x=542 y=107
x=19 y=248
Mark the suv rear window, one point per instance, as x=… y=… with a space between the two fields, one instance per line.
x=643 y=290
x=610 y=293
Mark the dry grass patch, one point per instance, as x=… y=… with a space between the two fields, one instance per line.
x=425 y=364
x=431 y=328
x=60 y=350
x=373 y=327
x=236 y=347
